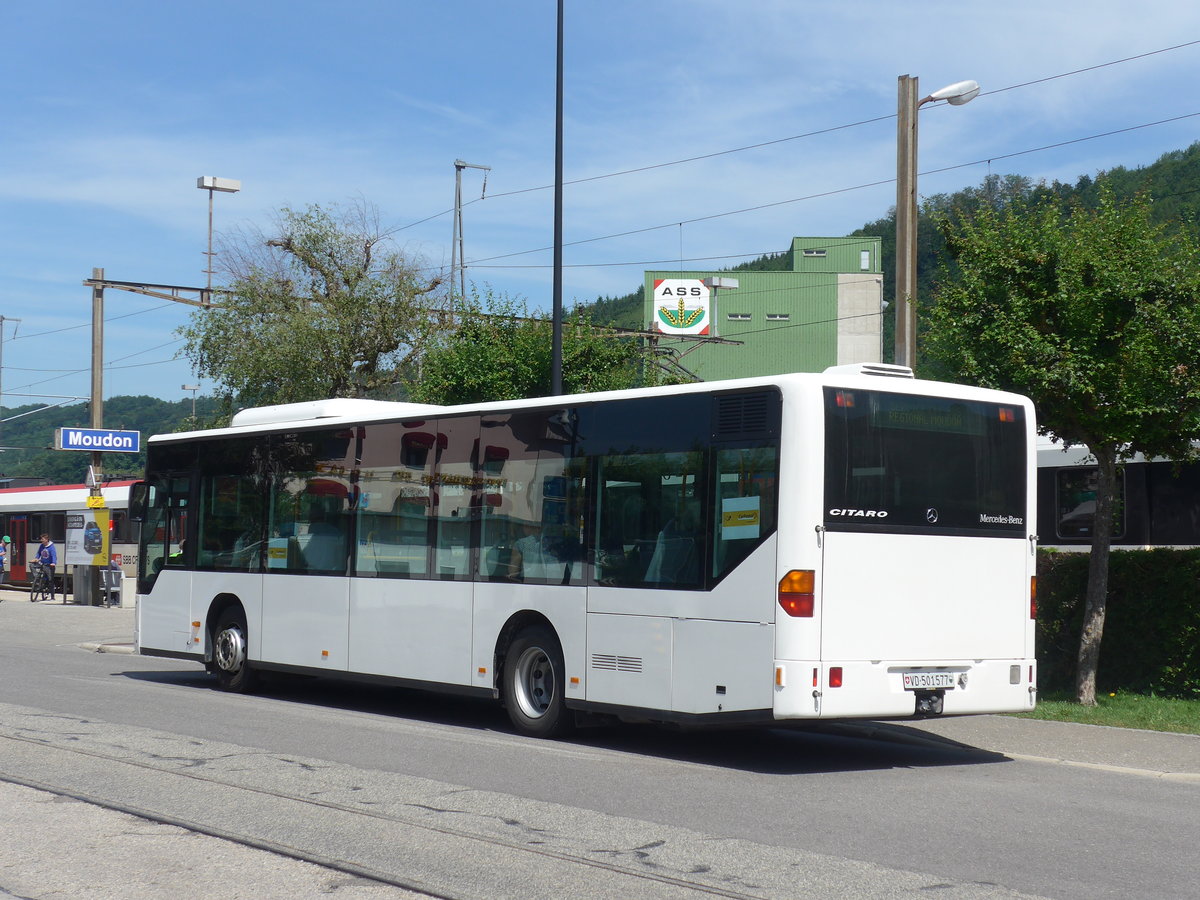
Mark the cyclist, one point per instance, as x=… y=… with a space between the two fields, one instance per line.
x=47 y=555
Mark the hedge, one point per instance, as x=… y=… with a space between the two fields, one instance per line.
x=1151 y=638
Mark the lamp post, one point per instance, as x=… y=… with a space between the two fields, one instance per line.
x=193 y=388
x=715 y=284
x=211 y=183
x=906 y=205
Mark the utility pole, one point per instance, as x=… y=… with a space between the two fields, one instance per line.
x=556 y=386
x=458 y=259
x=907 y=105
x=906 y=222
x=211 y=183
x=97 y=372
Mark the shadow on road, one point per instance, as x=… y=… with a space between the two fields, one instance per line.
x=791 y=749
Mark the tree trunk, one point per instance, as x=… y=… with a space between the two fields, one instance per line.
x=1097 y=586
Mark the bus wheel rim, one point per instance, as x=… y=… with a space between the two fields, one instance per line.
x=230 y=650
x=534 y=682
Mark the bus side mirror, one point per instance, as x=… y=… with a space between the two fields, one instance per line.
x=139 y=500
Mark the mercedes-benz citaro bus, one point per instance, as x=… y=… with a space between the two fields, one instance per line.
x=849 y=544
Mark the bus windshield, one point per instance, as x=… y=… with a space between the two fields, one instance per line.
x=905 y=463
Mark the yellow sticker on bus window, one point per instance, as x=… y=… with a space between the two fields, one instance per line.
x=739 y=518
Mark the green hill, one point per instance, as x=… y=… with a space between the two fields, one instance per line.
x=27 y=435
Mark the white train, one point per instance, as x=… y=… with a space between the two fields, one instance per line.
x=1158 y=500
x=28 y=512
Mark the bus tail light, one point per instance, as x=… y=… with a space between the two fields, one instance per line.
x=1033 y=596
x=796 y=593
x=835 y=676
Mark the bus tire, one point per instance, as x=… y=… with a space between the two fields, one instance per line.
x=230 y=660
x=534 y=684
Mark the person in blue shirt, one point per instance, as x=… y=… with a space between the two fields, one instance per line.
x=47 y=555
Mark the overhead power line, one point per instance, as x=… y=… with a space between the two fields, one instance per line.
x=807 y=134
x=478 y=263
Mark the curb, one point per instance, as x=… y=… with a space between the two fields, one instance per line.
x=108 y=647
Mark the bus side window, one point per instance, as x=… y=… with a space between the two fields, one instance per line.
x=649 y=526
x=745 y=503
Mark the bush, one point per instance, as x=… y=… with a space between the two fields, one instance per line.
x=1151 y=638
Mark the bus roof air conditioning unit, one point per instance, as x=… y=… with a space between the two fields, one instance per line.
x=883 y=369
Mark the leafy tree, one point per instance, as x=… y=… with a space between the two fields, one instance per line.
x=500 y=351
x=1093 y=313
x=324 y=308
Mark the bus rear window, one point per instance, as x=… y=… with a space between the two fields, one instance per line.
x=903 y=463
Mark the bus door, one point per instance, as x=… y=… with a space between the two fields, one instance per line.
x=19 y=532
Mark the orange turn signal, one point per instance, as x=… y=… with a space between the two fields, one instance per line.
x=796 y=593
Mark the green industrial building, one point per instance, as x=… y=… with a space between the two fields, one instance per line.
x=824 y=309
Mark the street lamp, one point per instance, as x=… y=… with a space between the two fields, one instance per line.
x=906 y=205
x=211 y=183
x=714 y=284
x=193 y=388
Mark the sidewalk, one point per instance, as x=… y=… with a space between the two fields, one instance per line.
x=1154 y=754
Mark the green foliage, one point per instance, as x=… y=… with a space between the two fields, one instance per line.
x=499 y=351
x=619 y=312
x=321 y=309
x=1152 y=636
x=1092 y=313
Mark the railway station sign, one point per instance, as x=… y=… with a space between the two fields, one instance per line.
x=97 y=439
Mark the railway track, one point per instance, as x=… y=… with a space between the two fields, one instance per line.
x=426 y=837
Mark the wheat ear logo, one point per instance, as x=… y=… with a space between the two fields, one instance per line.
x=680 y=318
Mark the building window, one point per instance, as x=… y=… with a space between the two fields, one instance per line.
x=778 y=317
x=813 y=252
x=738 y=317
x=864 y=260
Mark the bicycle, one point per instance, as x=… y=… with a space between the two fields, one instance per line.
x=39 y=586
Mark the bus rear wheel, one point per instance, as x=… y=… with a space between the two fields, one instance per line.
x=534 y=682
x=229 y=659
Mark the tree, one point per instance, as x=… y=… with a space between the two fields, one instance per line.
x=499 y=351
x=323 y=308
x=1094 y=314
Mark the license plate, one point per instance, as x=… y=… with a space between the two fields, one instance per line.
x=927 y=681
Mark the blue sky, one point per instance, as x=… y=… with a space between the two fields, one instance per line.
x=111 y=111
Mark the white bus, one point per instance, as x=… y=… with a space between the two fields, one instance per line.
x=854 y=543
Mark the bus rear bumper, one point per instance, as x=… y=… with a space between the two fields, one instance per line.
x=902 y=688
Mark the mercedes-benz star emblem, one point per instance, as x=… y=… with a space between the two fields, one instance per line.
x=931 y=515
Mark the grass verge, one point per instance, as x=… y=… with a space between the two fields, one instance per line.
x=1122 y=711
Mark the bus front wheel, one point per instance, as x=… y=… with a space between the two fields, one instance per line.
x=230 y=662
x=534 y=683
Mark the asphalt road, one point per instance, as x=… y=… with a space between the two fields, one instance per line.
x=389 y=792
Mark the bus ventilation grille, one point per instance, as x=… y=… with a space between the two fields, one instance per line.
x=887 y=370
x=613 y=663
x=744 y=415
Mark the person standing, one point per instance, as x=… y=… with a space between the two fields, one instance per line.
x=47 y=555
x=3 y=559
